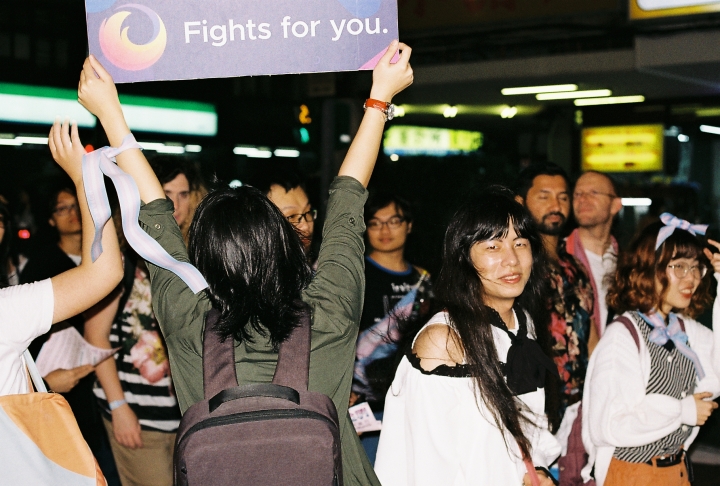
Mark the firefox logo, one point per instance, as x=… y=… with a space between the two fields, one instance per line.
x=121 y=51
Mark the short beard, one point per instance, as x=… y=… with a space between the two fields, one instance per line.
x=552 y=229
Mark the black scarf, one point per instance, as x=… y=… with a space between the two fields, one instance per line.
x=526 y=362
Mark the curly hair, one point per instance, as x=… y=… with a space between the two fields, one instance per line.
x=634 y=285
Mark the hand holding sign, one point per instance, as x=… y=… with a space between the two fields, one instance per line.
x=388 y=78
x=97 y=91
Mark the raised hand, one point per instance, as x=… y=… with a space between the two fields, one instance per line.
x=97 y=91
x=389 y=79
x=66 y=148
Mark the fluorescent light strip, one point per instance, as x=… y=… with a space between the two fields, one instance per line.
x=555 y=88
x=710 y=129
x=41 y=110
x=592 y=93
x=281 y=152
x=10 y=141
x=193 y=148
x=253 y=152
x=32 y=140
x=613 y=100
x=636 y=201
x=170 y=120
x=162 y=148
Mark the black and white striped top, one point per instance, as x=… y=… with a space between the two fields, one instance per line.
x=672 y=374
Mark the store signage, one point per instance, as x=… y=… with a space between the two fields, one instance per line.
x=147 y=40
x=409 y=140
x=646 y=9
x=632 y=148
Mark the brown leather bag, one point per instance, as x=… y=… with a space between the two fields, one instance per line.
x=259 y=434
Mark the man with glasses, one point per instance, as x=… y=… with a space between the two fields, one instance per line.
x=388 y=278
x=286 y=190
x=595 y=205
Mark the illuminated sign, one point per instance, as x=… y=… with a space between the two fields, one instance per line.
x=633 y=148
x=647 y=9
x=408 y=140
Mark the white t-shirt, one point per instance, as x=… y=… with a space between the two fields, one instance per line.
x=602 y=267
x=436 y=431
x=26 y=312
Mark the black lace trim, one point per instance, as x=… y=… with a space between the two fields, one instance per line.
x=457 y=371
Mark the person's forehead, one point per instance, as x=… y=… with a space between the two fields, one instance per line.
x=554 y=183
x=293 y=200
x=178 y=184
x=388 y=211
x=592 y=180
x=64 y=198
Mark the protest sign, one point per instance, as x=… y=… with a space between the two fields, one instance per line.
x=147 y=40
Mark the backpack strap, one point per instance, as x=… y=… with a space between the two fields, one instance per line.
x=631 y=329
x=293 y=367
x=218 y=359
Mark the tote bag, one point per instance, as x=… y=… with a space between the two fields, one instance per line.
x=41 y=442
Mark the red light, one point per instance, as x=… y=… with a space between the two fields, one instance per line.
x=24 y=234
x=89 y=148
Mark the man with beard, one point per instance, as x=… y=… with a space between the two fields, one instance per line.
x=595 y=205
x=544 y=190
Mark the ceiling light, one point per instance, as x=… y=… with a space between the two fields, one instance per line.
x=636 y=201
x=394 y=157
x=591 y=93
x=710 y=129
x=284 y=152
x=235 y=183
x=556 y=88
x=450 y=112
x=613 y=100
x=508 y=112
x=32 y=140
x=193 y=148
x=10 y=141
x=345 y=138
x=683 y=138
x=399 y=111
x=253 y=152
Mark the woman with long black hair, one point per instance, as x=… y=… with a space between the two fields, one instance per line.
x=467 y=405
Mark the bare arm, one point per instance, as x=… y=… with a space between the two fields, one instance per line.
x=77 y=289
x=97 y=93
x=388 y=80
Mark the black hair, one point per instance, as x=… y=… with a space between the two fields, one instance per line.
x=280 y=175
x=528 y=174
x=60 y=187
x=167 y=168
x=381 y=200
x=460 y=291
x=253 y=261
x=6 y=218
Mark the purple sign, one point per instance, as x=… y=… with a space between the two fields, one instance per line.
x=148 y=40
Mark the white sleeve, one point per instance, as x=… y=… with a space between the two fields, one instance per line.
x=25 y=313
x=545 y=448
x=619 y=411
x=716 y=332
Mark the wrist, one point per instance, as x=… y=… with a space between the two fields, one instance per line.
x=115 y=404
x=380 y=95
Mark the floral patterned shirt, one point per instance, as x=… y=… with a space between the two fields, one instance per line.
x=142 y=361
x=571 y=317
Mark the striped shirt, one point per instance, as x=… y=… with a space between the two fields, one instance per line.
x=142 y=362
x=672 y=374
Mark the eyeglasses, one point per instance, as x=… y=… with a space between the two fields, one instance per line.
x=296 y=219
x=65 y=210
x=592 y=195
x=392 y=223
x=682 y=269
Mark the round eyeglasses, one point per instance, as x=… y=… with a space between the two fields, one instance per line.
x=309 y=217
x=681 y=270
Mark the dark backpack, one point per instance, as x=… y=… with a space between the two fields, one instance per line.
x=258 y=434
x=574 y=461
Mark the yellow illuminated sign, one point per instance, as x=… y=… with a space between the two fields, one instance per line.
x=633 y=148
x=647 y=9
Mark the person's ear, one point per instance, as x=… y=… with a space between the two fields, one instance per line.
x=520 y=200
x=51 y=222
x=616 y=206
x=409 y=228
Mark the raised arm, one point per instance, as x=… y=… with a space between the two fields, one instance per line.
x=77 y=289
x=97 y=93
x=388 y=80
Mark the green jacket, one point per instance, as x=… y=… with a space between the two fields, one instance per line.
x=335 y=296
